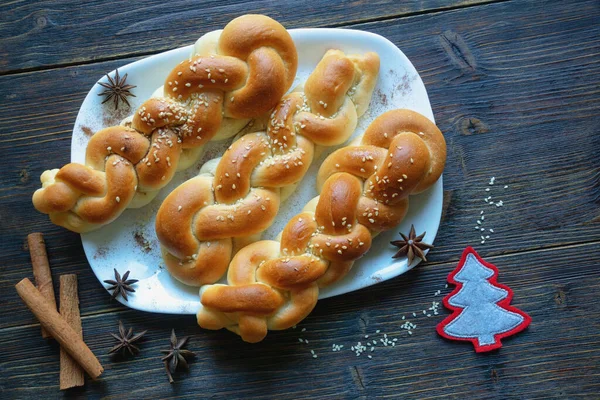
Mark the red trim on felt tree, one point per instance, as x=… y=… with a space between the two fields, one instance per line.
x=503 y=303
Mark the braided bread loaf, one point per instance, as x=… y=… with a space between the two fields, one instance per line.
x=253 y=65
x=204 y=220
x=364 y=190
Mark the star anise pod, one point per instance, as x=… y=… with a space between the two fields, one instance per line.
x=121 y=285
x=411 y=246
x=126 y=341
x=116 y=89
x=176 y=355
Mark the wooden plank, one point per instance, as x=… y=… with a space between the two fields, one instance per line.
x=511 y=118
x=556 y=357
x=44 y=33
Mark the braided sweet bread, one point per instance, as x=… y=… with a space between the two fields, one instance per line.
x=242 y=72
x=204 y=220
x=364 y=190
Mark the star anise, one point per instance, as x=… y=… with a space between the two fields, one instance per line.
x=126 y=341
x=176 y=355
x=411 y=246
x=121 y=285
x=116 y=89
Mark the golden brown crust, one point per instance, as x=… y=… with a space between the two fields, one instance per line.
x=245 y=190
x=291 y=272
x=205 y=269
x=194 y=194
x=415 y=126
x=363 y=190
x=246 y=77
x=248 y=307
x=219 y=222
x=255 y=298
x=326 y=89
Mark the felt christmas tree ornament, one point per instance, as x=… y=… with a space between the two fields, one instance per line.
x=481 y=310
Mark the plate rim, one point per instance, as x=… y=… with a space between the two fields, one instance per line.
x=392 y=270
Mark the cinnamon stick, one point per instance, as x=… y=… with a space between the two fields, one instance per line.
x=71 y=374
x=59 y=328
x=41 y=270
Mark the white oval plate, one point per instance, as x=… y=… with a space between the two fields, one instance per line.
x=130 y=243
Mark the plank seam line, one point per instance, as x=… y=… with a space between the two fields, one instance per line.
x=334 y=25
x=127 y=310
x=526 y=251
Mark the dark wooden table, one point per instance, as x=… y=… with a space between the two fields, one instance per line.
x=514 y=86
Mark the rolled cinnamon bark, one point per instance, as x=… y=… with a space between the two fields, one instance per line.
x=41 y=270
x=71 y=374
x=59 y=328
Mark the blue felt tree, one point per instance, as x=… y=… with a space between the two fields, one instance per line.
x=482 y=312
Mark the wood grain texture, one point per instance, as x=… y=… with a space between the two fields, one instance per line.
x=556 y=357
x=546 y=155
x=514 y=87
x=40 y=34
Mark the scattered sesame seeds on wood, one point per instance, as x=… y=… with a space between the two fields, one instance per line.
x=481 y=218
x=378 y=338
x=547 y=108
